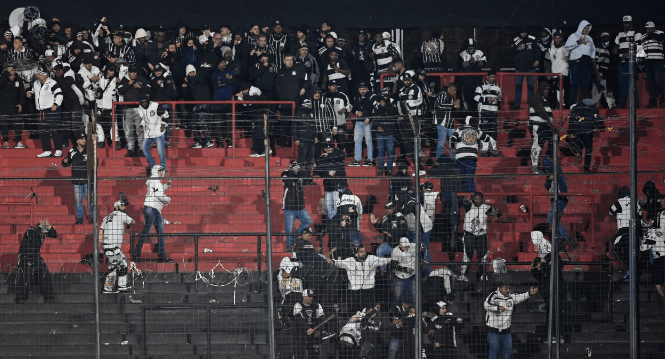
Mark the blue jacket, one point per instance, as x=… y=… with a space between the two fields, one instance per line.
x=222 y=87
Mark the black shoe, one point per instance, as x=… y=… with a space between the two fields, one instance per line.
x=100 y=144
x=220 y=144
x=165 y=260
x=515 y=107
x=137 y=259
x=118 y=146
x=167 y=144
x=139 y=154
x=380 y=172
x=652 y=104
x=130 y=153
x=389 y=172
x=79 y=221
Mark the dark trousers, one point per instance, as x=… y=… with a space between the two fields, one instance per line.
x=33 y=274
x=359 y=299
x=479 y=245
x=71 y=123
x=405 y=142
x=11 y=122
x=48 y=122
x=654 y=73
x=580 y=76
x=283 y=126
x=489 y=124
x=467 y=167
x=106 y=122
x=200 y=129
x=624 y=83
x=583 y=141
x=306 y=152
x=223 y=125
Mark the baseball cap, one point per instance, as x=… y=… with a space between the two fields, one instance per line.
x=333 y=82
x=407 y=76
x=428 y=185
x=362 y=84
x=81 y=135
x=49 y=52
x=133 y=69
x=362 y=31
x=304 y=47
x=159 y=67
x=277 y=22
x=385 y=91
x=650 y=24
x=404 y=242
x=441 y=304
x=328 y=145
x=308 y=230
x=308 y=293
x=390 y=205
x=118 y=203
x=627 y=18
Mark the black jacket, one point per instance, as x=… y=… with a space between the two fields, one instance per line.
x=393 y=226
x=165 y=91
x=399 y=185
x=79 y=163
x=260 y=76
x=386 y=117
x=446 y=166
x=198 y=88
x=11 y=94
x=366 y=104
x=31 y=243
x=289 y=81
x=294 y=191
x=131 y=93
x=525 y=58
x=584 y=119
x=445 y=330
x=652 y=205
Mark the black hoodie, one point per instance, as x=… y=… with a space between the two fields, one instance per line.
x=652 y=204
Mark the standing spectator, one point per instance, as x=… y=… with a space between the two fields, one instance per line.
x=384 y=54
x=339 y=242
x=540 y=119
x=294 y=202
x=133 y=88
x=279 y=41
x=153 y=127
x=12 y=101
x=341 y=107
x=362 y=67
x=406 y=256
x=364 y=105
x=583 y=121
x=291 y=81
x=451 y=185
x=350 y=203
x=118 y=46
x=110 y=240
x=386 y=127
x=620 y=244
x=72 y=102
x=652 y=43
x=470 y=60
x=307 y=315
x=541 y=268
x=652 y=204
x=302 y=39
x=433 y=53
x=475 y=233
x=361 y=274
x=410 y=101
x=654 y=241
x=444 y=105
x=223 y=79
x=304 y=133
x=108 y=89
x=164 y=89
x=466 y=139
x=262 y=47
x=526 y=55
x=77 y=158
x=602 y=87
x=488 y=96
x=428 y=199
x=155 y=200
x=48 y=98
x=255 y=114
x=548 y=168
x=33 y=274
x=400 y=183
x=582 y=53
x=393 y=226
x=311 y=64
x=323 y=116
x=443 y=334
x=499 y=307
x=334 y=182
x=336 y=69
x=557 y=57
x=197 y=88
x=622 y=46
x=409 y=210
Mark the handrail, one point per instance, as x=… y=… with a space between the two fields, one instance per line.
x=173 y=104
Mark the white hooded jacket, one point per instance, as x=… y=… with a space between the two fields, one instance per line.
x=497 y=319
x=155 y=196
x=151 y=121
x=361 y=274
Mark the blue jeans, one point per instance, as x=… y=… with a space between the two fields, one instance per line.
x=404 y=285
x=152 y=217
x=424 y=240
x=550 y=217
x=363 y=131
x=355 y=237
x=580 y=75
x=384 y=251
x=386 y=143
x=80 y=192
x=519 y=80
x=289 y=218
x=393 y=349
x=500 y=343
x=654 y=73
x=468 y=167
x=147 y=142
x=444 y=134
x=331 y=202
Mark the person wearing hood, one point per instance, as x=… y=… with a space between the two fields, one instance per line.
x=499 y=306
x=465 y=141
x=622 y=43
x=475 y=232
x=526 y=58
x=584 y=120
x=582 y=54
x=352 y=204
x=602 y=86
x=620 y=244
x=540 y=120
x=545 y=40
x=33 y=274
x=652 y=203
x=470 y=60
x=155 y=200
x=556 y=61
x=548 y=168
x=197 y=88
x=152 y=127
x=443 y=333
x=400 y=183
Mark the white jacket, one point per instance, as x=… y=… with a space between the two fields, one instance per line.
x=155 y=196
x=497 y=319
x=558 y=59
x=656 y=235
x=89 y=86
x=46 y=94
x=352 y=200
x=405 y=259
x=475 y=219
x=151 y=121
x=361 y=274
x=109 y=87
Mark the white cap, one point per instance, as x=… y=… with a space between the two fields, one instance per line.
x=140 y=33
x=650 y=24
x=386 y=35
x=627 y=18
x=287 y=265
x=441 y=304
x=189 y=69
x=49 y=52
x=404 y=242
x=604 y=34
x=117 y=203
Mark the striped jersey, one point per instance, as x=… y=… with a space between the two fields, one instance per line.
x=466 y=139
x=332 y=74
x=443 y=108
x=279 y=42
x=603 y=60
x=652 y=44
x=484 y=93
x=383 y=53
x=322 y=113
x=624 y=39
x=339 y=100
x=536 y=118
x=123 y=51
x=411 y=99
x=433 y=55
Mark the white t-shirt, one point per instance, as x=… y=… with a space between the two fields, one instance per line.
x=114 y=227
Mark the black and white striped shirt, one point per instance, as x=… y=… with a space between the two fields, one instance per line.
x=652 y=44
x=25 y=53
x=384 y=55
x=603 y=60
x=332 y=74
x=123 y=51
x=323 y=114
x=624 y=39
x=279 y=42
x=466 y=139
x=433 y=55
x=484 y=92
x=536 y=118
x=443 y=108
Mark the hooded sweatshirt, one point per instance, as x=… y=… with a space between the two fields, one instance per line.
x=349 y=200
x=584 y=49
x=652 y=205
x=155 y=196
x=621 y=208
x=539 y=109
x=497 y=320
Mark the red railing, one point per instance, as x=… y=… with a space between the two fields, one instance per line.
x=173 y=104
x=450 y=76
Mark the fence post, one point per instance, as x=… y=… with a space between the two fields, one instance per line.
x=271 y=305
x=196 y=253
x=418 y=272
x=92 y=199
x=258 y=257
x=634 y=221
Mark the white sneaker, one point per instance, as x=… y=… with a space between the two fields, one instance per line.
x=196 y=145
x=463 y=278
x=20 y=145
x=44 y=154
x=255 y=155
x=58 y=153
x=125 y=289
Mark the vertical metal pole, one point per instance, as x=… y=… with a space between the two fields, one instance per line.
x=554 y=310
x=634 y=221
x=196 y=253
x=271 y=304
x=95 y=232
x=258 y=257
x=417 y=297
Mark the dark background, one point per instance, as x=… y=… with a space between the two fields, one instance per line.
x=346 y=13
